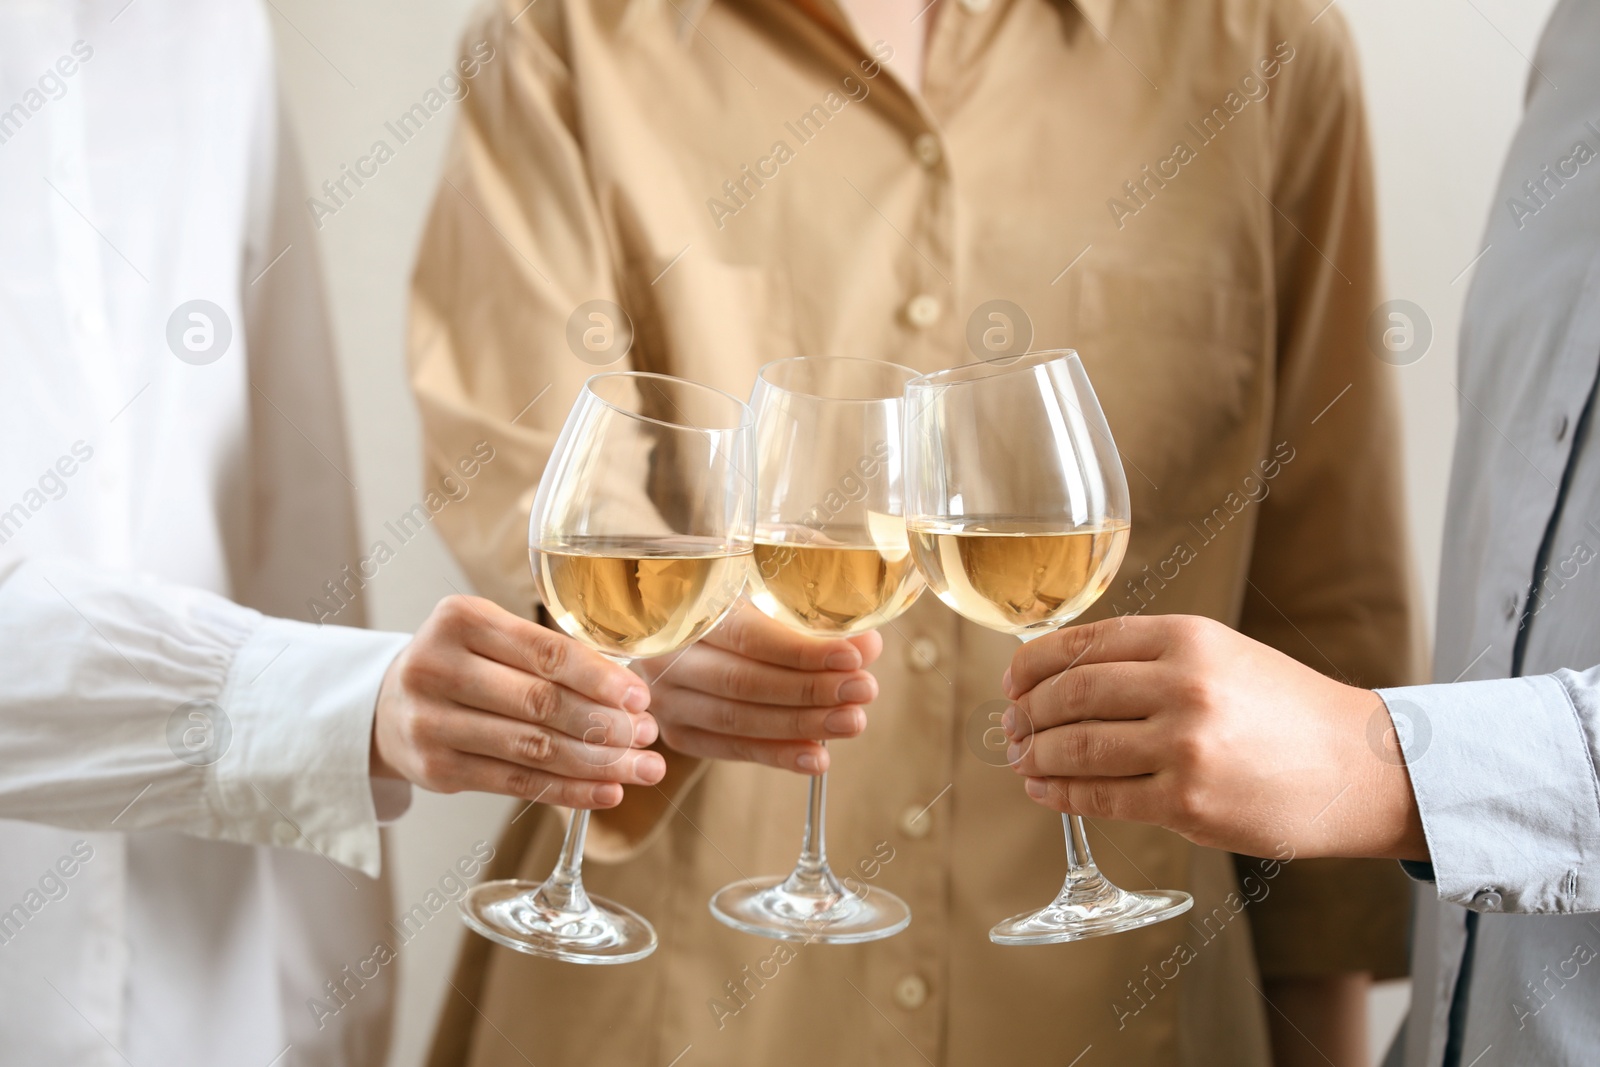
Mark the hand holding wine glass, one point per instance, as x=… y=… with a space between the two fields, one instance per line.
x=482 y=699
x=1018 y=515
x=1185 y=723
x=639 y=538
x=756 y=690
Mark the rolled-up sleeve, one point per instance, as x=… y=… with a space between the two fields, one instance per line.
x=1504 y=776
x=134 y=704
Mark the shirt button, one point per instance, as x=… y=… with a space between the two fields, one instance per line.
x=926 y=147
x=915 y=823
x=1562 y=424
x=976 y=7
x=1486 y=899
x=922 y=310
x=1513 y=602
x=922 y=653
x=911 y=992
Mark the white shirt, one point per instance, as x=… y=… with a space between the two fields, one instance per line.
x=141 y=495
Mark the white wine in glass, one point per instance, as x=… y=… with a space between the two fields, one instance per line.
x=1018 y=515
x=1018 y=576
x=836 y=582
x=640 y=539
x=831 y=559
x=634 y=599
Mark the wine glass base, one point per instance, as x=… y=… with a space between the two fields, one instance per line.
x=1113 y=911
x=508 y=913
x=766 y=908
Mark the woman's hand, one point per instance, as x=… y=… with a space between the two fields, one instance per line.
x=482 y=699
x=753 y=689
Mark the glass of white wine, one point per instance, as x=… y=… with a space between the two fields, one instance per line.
x=640 y=540
x=1018 y=516
x=832 y=560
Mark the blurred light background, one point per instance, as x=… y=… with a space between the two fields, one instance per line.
x=1445 y=81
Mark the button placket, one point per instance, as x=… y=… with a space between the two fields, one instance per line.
x=81 y=264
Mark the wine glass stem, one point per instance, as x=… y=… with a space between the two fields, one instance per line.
x=814 y=846
x=1079 y=859
x=563 y=890
x=811 y=876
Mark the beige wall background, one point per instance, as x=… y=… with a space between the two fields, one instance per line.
x=1445 y=80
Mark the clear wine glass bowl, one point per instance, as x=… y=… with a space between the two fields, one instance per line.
x=639 y=539
x=1018 y=517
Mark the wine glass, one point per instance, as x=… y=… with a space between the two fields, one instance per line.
x=831 y=559
x=640 y=540
x=1018 y=517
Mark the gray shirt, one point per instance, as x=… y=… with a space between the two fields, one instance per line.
x=1507 y=950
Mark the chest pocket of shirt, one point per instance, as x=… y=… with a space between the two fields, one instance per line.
x=717 y=322
x=1179 y=363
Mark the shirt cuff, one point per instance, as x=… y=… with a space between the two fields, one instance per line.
x=1504 y=784
x=298 y=703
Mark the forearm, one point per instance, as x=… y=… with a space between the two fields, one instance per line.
x=134 y=704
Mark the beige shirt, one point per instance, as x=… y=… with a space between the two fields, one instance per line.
x=1180 y=191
